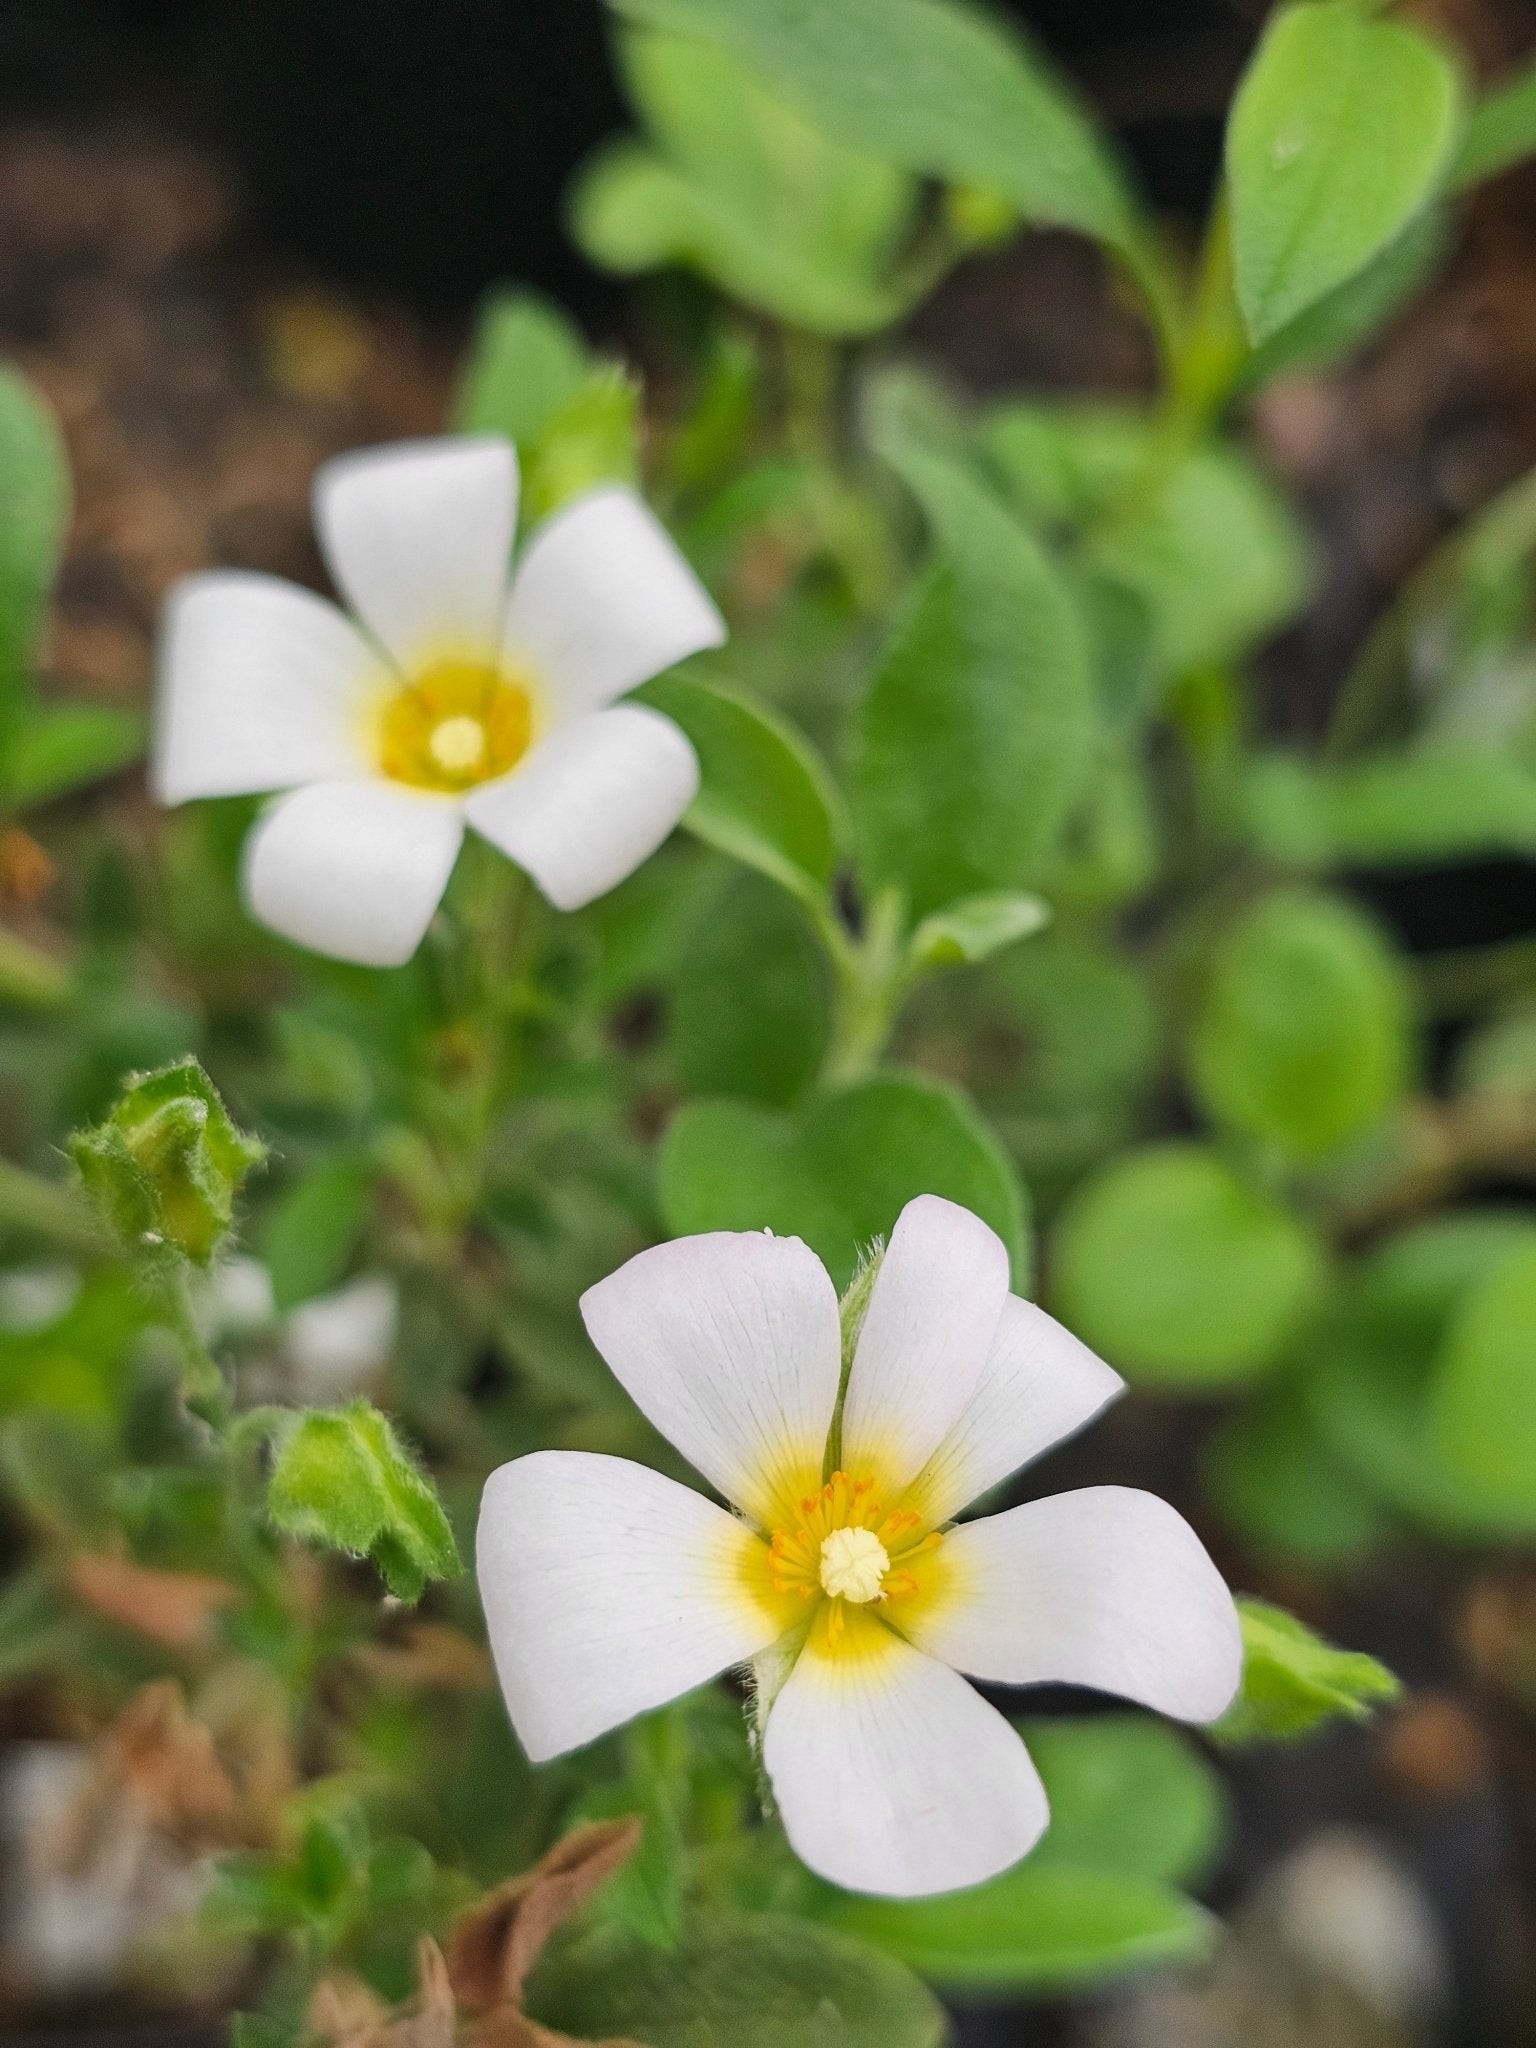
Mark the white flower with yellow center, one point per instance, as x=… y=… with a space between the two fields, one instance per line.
x=609 y=1589
x=464 y=694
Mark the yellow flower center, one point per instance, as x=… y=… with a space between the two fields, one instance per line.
x=458 y=723
x=845 y=1547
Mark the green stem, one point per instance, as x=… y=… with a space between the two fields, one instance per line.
x=204 y=1386
x=869 y=981
x=46 y=1209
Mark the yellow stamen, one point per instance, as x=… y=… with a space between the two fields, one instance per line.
x=846 y=1550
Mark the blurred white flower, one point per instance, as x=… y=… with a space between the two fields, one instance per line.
x=234 y=1300
x=338 y=1344
x=32 y=1297
x=80 y=1902
x=609 y=1589
x=456 y=698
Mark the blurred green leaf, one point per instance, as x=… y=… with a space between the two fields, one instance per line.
x=1500 y=130
x=645 y=1895
x=526 y=361
x=1372 y=1368
x=1293 y=1681
x=765 y=797
x=1129 y=1795
x=764 y=1981
x=935 y=87
x=770 y=1048
x=1403 y=808
x=62 y=747
x=1206 y=543
x=1040 y=1926
x=313 y=1228
x=1342 y=129
x=1483 y=1402
x=1275 y=1479
x=34 y=516
x=744 y=189
x=341 y=1478
x=1303 y=1035
x=1338 y=322
x=974 y=928
x=840 y=1169
x=1179 y=1273
x=592 y=438
x=975 y=737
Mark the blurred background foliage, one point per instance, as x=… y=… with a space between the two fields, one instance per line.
x=1118 y=809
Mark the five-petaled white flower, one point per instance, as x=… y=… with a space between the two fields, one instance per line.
x=457 y=699
x=609 y=1589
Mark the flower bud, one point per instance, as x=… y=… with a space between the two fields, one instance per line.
x=165 y=1166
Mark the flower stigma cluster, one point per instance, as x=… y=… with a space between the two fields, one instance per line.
x=847 y=1547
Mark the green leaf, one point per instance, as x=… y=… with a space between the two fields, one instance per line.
x=1212 y=550
x=1039 y=1926
x=61 y=748
x=1274 y=1478
x=1500 y=130
x=645 y=1895
x=1483 y=1404
x=745 y=190
x=592 y=438
x=1303 y=1036
x=938 y=88
x=34 y=516
x=1179 y=1273
x=770 y=1048
x=764 y=1981
x=1373 y=1369
x=526 y=360
x=976 y=927
x=1337 y=323
x=765 y=796
x=1406 y=808
x=976 y=735
x=1129 y=1795
x=840 y=1169
x=312 y=1230
x=1293 y=1681
x=342 y=1479
x=1342 y=129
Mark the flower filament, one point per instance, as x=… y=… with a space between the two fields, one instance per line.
x=845 y=1547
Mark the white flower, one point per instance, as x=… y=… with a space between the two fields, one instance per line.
x=456 y=699
x=609 y=1589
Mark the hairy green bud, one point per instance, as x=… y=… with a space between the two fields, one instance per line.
x=164 y=1168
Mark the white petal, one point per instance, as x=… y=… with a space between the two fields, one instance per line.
x=892 y=1775
x=730 y=1344
x=608 y=1590
x=1107 y=1587
x=261 y=686
x=602 y=599
x=418 y=536
x=931 y=1321
x=591 y=802
x=1038 y=1385
x=353 y=869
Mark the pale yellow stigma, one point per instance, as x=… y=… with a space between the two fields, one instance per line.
x=457 y=745
x=854 y=1563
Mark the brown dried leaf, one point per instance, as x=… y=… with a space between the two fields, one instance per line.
x=344 y=2012
x=428 y=1653
x=173 y=1608
x=166 y=1760
x=497 y=1942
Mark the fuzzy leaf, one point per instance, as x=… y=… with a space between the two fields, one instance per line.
x=1293 y=1681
